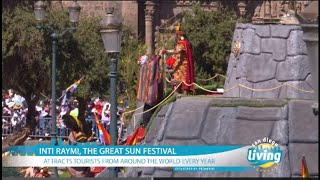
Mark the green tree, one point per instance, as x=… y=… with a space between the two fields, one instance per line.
x=26 y=59
x=86 y=59
x=210 y=34
x=131 y=50
x=25 y=67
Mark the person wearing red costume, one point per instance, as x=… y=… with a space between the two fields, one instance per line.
x=181 y=63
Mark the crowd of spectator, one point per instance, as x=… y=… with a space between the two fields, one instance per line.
x=13 y=106
x=14 y=110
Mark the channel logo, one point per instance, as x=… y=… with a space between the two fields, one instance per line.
x=265 y=154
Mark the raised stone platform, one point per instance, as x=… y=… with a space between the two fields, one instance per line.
x=270 y=55
x=233 y=121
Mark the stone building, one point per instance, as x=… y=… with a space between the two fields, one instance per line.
x=150 y=17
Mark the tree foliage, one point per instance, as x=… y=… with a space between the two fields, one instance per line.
x=25 y=66
x=210 y=34
x=132 y=49
x=26 y=56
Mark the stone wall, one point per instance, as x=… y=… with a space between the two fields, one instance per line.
x=270 y=55
x=127 y=11
x=205 y=121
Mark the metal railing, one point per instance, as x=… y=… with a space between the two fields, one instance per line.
x=43 y=128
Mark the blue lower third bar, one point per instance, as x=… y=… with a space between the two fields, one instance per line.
x=215 y=169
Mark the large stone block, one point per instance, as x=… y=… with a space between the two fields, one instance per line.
x=237 y=35
x=261 y=114
x=295 y=68
x=266 y=45
x=242 y=65
x=280 y=132
x=245 y=92
x=154 y=130
x=282 y=31
x=276 y=46
x=262 y=30
x=163 y=125
x=260 y=68
x=309 y=80
x=216 y=119
x=163 y=111
x=299 y=90
x=229 y=73
x=233 y=91
x=283 y=168
x=283 y=94
x=311 y=152
x=243 y=132
x=186 y=119
x=230 y=70
x=279 y=49
x=251 y=42
x=229 y=88
x=267 y=89
x=296 y=44
x=233 y=61
x=303 y=124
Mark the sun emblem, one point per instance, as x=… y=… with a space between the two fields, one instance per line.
x=236 y=48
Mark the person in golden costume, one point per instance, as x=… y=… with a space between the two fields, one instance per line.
x=181 y=63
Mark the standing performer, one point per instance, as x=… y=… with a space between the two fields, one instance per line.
x=181 y=63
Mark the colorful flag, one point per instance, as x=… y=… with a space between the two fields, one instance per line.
x=64 y=104
x=74 y=86
x=137 y=136
x=304 y=168
x=106 y=135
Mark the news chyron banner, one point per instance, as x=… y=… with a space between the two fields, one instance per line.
x=260 y=155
